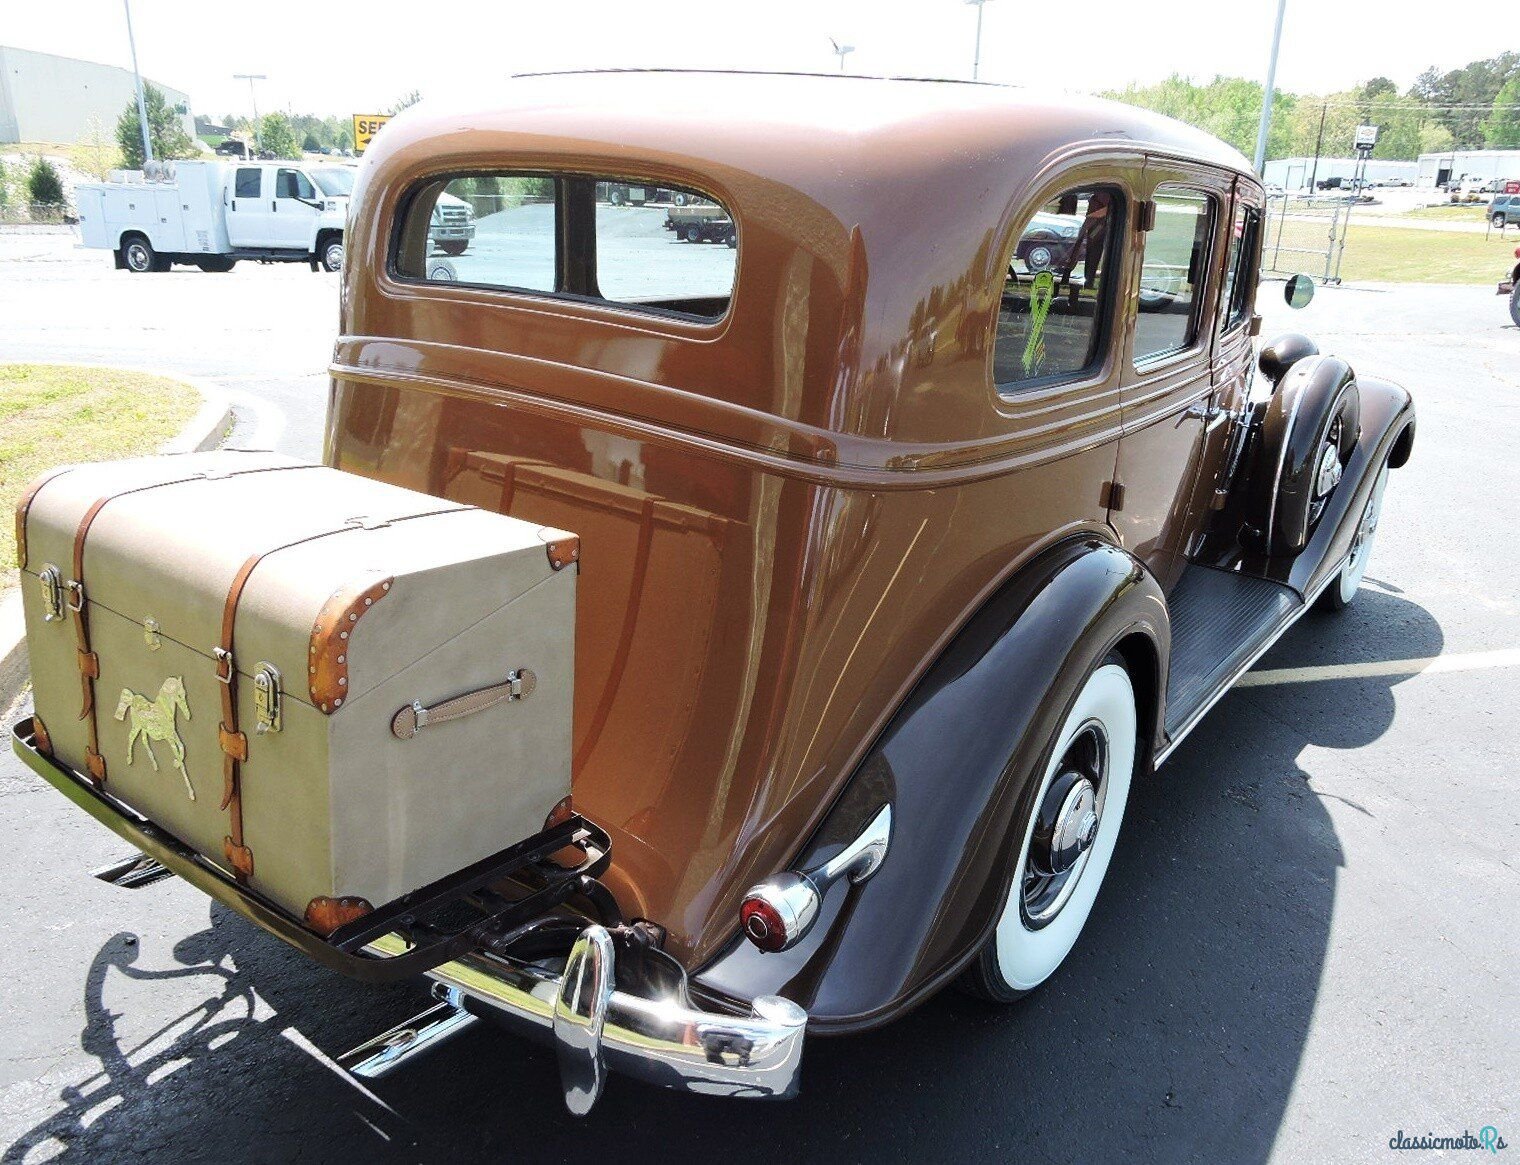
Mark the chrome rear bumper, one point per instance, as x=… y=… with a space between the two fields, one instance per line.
x=596 y=1028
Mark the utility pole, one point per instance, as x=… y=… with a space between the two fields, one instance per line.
x=142 y=106
x=1266 y=103
x=253 y=98
x=1319 y=143
x=976 y=56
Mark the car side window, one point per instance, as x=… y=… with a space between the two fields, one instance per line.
x=249 y=179
x=1236 y=300
x=1173 y=271
x=294 y=184
x=1058 y=290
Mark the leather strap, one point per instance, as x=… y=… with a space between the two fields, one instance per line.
x=412 y=719
x=234 y=743
x=25 y=505
x=89 y=662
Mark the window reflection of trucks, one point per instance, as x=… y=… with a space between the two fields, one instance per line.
x=702 y=222
x=452 y=225
x=211 y=214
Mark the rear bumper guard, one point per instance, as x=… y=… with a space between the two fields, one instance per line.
x=595 y=1027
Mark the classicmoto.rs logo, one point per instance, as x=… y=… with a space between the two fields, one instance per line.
x=1488 y=1138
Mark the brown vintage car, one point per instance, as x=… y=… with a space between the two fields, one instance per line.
x=901 y=555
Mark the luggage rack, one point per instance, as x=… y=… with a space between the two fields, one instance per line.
x=438 y=922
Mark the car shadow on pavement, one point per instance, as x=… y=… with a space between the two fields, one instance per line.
x=1173 y=1033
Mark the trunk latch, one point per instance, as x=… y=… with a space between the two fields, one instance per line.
x=51 y=583
x=266 y=698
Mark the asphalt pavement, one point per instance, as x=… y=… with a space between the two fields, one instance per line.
x=1307 y=942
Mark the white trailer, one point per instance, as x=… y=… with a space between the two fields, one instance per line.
x=211 y=214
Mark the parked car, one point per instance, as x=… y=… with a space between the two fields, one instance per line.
x=1511 y=288
x=1504 y=210
x=211 y=215
x=452 y=225
x=904 y=561
x=700 y=222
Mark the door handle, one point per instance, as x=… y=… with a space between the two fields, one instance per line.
x=274 y=204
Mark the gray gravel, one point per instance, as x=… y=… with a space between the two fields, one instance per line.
x=1307 y=941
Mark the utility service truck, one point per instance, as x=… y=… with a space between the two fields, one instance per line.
x=211 y=214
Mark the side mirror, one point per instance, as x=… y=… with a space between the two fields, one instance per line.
x=1298 y=291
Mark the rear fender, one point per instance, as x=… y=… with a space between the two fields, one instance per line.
x=955 y=763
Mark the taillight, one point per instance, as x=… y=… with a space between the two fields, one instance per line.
x=779 y=912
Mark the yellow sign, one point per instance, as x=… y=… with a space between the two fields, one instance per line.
x=366 y=126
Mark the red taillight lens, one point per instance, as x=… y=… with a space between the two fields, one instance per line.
x=762 y=924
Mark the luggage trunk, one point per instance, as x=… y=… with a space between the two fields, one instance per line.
x=337 y=690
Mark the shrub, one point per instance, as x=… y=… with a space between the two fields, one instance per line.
x=43 y=184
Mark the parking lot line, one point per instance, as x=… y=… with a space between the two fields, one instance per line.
x=1371 y=669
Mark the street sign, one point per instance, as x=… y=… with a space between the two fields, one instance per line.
x=1366 y=137
x=366 y=126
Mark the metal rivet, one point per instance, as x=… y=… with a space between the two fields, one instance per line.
x=342 y=634
x=354 y=618
x=313 y=669
x=338 y=703
x=385 y=586
x=367 y=602
x=341 y=658
x=324 y=707
x=342 y=681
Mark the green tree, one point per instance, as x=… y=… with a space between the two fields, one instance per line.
x=277 y=138
x=406 y=101
x=166 y=129
x=310 y=144
x=43 y=185
x=1502 y=129
x=1227 y=107
x=5 y=189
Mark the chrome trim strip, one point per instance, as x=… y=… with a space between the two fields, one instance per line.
x=1203 y=709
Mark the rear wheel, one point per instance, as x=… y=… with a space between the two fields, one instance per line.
x=692 y=233
x=455 y=247
x=138 y=255
x=1066 y=837
x=1514 y=303
x=1338 y=595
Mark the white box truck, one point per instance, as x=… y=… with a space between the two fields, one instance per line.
x=211 y=214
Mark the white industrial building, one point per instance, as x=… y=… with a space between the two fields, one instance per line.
x=1454 y=165
x=1294 y=173
x=52 y=99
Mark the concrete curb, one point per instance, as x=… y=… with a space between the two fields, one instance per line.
x=205 y=431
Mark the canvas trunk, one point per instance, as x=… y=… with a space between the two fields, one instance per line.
x=336 y=690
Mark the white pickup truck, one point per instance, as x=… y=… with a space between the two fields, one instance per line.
x=211 y=214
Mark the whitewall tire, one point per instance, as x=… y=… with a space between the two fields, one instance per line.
x=1342 y=589
x=1066 y=838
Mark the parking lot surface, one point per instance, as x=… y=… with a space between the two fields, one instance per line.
x=1307 y=942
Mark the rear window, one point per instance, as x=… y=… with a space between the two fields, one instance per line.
x=663 y=249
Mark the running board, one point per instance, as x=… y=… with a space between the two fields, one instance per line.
x=133 y=873
x=1222 y=622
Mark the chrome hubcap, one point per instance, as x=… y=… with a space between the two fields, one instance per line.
x=1065 y=827
x=1328 y=475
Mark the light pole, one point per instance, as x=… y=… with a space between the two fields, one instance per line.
x=841 y=51
x=142 y=106
x=1266 y=104
x=976 y=57
x=253 y=98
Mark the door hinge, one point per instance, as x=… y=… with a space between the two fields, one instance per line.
x=1145 y=215
x=1112 y=497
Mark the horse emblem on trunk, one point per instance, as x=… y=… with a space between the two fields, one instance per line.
x=154 y=720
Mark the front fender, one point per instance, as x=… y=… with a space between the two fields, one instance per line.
x=955 y=763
